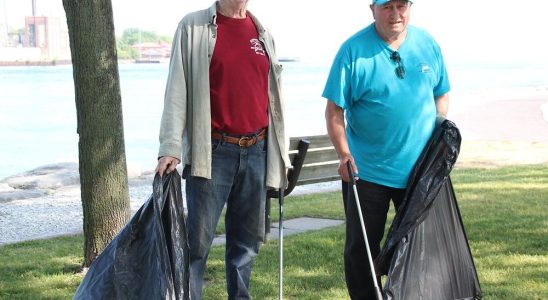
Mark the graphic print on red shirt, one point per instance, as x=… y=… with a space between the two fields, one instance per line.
x=238 y=77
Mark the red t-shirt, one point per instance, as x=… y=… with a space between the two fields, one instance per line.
x=238 y=77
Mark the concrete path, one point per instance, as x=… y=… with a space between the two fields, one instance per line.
x=291 y=227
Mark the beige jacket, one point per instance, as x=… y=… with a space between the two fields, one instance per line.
x=185 y=130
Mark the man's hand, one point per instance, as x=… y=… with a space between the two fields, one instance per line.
x=166 y=164
x=343 y=170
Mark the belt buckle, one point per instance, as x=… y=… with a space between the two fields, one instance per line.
x=244 y=141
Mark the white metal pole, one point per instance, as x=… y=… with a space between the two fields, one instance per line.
x=371 y=264
x=281 y=243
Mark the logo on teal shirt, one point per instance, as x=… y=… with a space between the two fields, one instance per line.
x=424 y=68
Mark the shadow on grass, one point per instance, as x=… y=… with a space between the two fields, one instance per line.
x=504 y=212
x=313 y=268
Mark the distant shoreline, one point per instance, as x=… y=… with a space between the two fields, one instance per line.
x=42 y=63
x=46 y=63
x=29 y=63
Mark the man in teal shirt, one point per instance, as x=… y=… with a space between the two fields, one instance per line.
x=388 y=82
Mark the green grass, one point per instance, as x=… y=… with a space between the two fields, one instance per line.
x=321 y=205
x=505 y=212
x=44 y=269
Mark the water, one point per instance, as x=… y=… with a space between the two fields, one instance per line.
x=38 y=114
x=38 y=140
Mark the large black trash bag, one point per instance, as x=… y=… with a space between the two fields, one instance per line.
x=148 y=259
x=426 y=253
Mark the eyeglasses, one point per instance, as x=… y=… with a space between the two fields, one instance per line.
x=400 y=71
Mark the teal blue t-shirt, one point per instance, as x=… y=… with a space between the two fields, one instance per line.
x=388 y=120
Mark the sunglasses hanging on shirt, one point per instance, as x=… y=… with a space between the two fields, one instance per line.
x=400 y=71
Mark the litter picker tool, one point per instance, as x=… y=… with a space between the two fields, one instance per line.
x=371 y=264
x=292 y=175
x=281 y=242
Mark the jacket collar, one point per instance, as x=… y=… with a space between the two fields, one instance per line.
x=212 y=13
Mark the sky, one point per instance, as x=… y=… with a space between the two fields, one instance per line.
x=467 y=30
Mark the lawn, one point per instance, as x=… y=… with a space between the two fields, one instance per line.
x=505 y=212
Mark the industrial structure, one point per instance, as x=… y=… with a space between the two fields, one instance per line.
x=44 y=39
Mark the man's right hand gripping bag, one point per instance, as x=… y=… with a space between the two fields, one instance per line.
x=148 y=259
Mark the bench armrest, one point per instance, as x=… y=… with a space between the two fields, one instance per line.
x=294 y=171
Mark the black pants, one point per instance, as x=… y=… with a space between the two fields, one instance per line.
x=375 y=202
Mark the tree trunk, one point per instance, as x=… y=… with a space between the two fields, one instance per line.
x=103 y=173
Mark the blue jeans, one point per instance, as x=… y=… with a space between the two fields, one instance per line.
x=238 y=180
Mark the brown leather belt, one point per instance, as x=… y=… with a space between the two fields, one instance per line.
x=242 y=141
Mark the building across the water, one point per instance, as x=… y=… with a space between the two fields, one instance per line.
x=43 y=40
x=153 y=52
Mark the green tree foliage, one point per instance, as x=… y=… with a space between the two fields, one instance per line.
x=134 y=36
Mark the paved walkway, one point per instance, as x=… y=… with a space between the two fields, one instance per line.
x=291 y=227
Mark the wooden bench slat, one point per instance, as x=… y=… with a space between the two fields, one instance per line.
x=315 y=141
x=314 y=156
x=320 y=180
x=320 y=171
x=321 y=156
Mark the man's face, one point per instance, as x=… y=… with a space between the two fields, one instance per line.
x=236 y=3
x=392 y=18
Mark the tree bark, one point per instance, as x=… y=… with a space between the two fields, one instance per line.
x=102 y=166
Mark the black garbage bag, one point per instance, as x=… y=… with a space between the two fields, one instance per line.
x=426 y=253
x=148 y=259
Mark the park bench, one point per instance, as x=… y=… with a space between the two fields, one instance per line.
x=313 y=160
